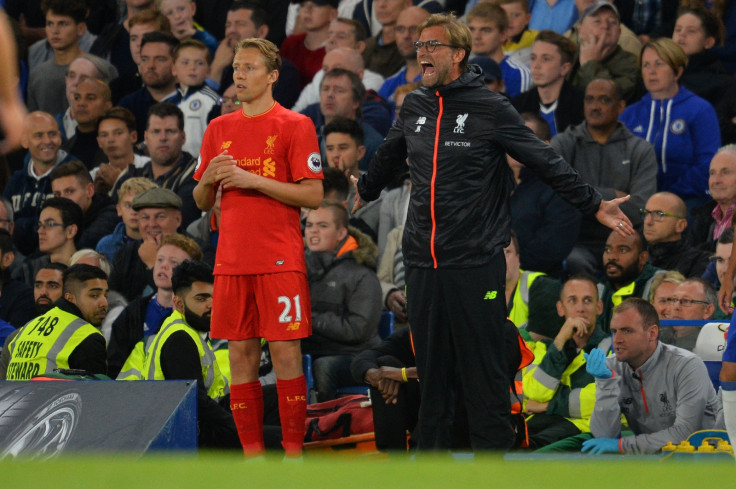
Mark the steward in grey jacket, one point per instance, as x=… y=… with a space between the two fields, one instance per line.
x=346 y=297
x=626 y=163
x=668 y=398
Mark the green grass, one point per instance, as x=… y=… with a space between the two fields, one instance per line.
x=229 y=471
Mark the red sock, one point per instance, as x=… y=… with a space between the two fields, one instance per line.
x=293 y=411
x=246 y=403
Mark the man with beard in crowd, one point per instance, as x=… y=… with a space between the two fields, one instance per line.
x=182 y=350
x=628 y=274
x=47 y=286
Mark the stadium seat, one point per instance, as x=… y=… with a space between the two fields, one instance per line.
x=309 y=376
x=710 y=347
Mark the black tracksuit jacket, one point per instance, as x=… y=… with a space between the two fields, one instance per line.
x=456 y=138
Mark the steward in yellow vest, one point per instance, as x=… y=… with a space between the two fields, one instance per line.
x=133 y=330
x=518 y=284
x=67 y=336
x=181 y=350
x=560 y=393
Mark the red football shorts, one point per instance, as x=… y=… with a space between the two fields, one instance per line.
x=273 y=306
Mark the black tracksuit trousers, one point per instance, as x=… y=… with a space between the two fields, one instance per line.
x=457 y=318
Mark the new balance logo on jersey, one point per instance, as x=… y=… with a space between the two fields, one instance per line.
x=293 y=326
x=490 y=295
x=460 y=124
x=226 y=144
x=420 y=122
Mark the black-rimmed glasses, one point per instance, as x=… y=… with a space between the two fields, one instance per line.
x=430 y=45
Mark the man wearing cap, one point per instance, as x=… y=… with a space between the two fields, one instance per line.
x=307 y=49
x=600 y=56
x=624 y=165
x=159 y=215
x=628 y=40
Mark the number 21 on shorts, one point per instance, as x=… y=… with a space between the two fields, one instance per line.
x=286 y=316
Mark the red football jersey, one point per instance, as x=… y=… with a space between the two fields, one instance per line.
x=259 y=234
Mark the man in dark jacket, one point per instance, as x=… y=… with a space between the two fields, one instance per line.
x=72 y=181
x=456 y=133
x=345 y=293
x=29 y=187
x=665 y=219
x=546 y=225
x=16 y=297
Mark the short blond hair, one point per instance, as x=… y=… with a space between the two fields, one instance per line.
x=184 y=243
x=136 y=186
x=268 y=50
x=668 y=277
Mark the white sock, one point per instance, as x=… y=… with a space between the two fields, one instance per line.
x=728 y=395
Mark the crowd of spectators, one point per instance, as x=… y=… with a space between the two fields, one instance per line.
x=639 y=97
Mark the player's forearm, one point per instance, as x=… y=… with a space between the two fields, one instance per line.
x=204 y=196
x=9 y=73
x=305 y=193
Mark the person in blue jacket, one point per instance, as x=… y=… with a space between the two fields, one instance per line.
x=682 y=127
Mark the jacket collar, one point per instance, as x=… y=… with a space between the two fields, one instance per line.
x=472 y=78
x=651 y=364
x=669 y=248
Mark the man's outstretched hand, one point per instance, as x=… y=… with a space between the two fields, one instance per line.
x=610 y=215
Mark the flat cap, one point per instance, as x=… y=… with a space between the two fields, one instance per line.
x=157 y=197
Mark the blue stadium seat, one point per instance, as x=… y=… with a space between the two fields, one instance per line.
x=309 y=376
x=387 y=325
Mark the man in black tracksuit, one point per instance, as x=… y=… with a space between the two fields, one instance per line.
x=456 y=134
